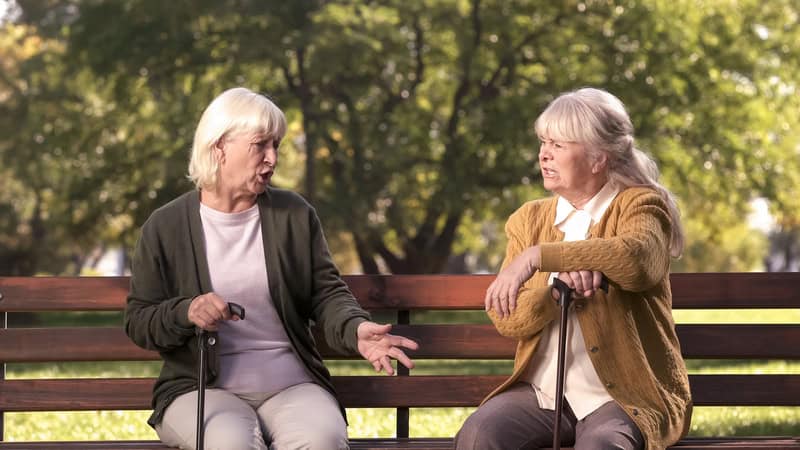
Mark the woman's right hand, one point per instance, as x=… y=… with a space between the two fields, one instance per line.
x=207 y=310
x=502 y=293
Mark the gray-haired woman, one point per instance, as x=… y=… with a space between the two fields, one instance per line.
x=626 y=383
x=236 y=239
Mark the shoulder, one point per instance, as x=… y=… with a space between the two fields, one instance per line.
x=172 y=213
x=639 y=195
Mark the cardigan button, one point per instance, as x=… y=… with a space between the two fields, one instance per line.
x=609 y=385
x=212 y=341
x=635 y=412
x=594 y=349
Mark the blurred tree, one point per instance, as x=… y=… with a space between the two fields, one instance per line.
x=414 y=119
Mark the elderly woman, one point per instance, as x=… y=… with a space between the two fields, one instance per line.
x=626 y=383
x=236 y=239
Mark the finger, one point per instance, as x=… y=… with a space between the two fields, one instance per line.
x=597 y=279
x=587 y=279
x=376 y=365
x=400 y=356
x=512 y=298
x=400 y=341
x=577 y=283
x=504 y=306
x=371 y=331
x=387 y=365
x=488 y=298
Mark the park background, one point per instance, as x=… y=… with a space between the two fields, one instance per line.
x=410 y=131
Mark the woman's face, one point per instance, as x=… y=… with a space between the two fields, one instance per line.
x=568 y=171
x=247 y=162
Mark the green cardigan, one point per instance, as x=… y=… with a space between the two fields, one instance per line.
x=630 y=330
x=170 y=268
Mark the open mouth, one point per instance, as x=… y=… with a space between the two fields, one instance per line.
x=264 y=177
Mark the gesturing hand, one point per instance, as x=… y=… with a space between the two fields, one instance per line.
x=502 y=293
x=376 y=345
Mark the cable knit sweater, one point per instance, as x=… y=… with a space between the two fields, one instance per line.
x=629 y=331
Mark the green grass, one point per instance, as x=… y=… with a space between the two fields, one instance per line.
x=433 y=422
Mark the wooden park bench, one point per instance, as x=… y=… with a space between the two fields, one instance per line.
x=402 y=297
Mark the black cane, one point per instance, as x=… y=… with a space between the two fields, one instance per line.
x=564 y=300
x=236 y=310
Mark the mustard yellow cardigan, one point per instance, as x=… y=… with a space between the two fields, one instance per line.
x=629 y=331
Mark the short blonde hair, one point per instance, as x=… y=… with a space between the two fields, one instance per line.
x=235 y=111
x=598 y=120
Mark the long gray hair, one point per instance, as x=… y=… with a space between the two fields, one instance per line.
x=598 y=120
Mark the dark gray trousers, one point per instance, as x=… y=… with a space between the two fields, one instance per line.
x=513 y=420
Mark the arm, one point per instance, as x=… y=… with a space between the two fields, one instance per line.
x=333 y=306
x=153 y=319
x=636 y=258
x=345 y=324
x=531 y=307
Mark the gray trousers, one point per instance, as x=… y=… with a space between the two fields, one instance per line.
x=513 y=420
x=304 y=416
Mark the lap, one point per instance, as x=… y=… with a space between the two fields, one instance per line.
x=301 y=416
x=514 y=420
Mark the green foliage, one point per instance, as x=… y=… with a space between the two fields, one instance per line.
x=411 y=122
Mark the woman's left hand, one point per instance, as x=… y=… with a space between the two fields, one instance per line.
x=376 y=345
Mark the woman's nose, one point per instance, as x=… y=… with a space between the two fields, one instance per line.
x=271 y=157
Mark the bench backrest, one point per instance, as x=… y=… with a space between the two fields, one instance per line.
x=401 y=296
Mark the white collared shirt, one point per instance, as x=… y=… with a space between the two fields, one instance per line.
x=582 y=387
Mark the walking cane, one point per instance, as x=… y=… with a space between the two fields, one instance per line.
x=236 y=310
x=564 y=300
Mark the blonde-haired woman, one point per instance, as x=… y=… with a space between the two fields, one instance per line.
x=626 y=383
x=236 y=239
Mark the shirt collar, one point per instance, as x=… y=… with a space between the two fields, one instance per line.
x=596 y=206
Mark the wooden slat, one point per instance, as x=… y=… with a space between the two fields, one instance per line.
x=690 y=443
x=24 y=345
x=695 y=290
x=376 y=292
x=742 y=342
x=376 y=392
x=63 y=293
x=736 y=290
x=448 y=341
x=465 y=341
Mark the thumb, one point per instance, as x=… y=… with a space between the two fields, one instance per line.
x=370 y=328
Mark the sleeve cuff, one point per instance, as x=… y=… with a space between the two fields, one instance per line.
x=551 y=257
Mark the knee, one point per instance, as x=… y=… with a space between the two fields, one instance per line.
x=312 y=439
x=600 y=439
x=223 y=437
x=476 y=434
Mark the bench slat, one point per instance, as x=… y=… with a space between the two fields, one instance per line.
x=378 y=292
x=690 y=443
x=438 y=342
x=376 y=392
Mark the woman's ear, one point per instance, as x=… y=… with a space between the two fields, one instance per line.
x=600 y=163
x=219 y=150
